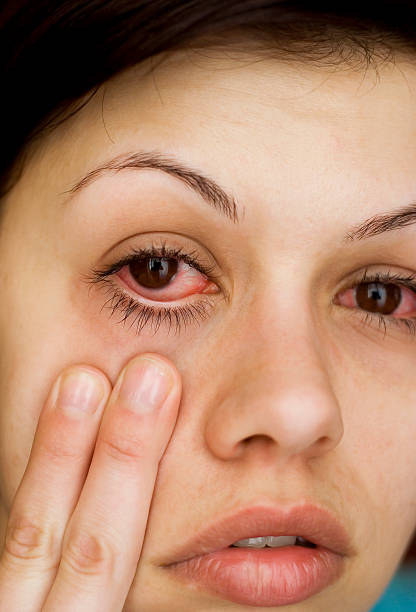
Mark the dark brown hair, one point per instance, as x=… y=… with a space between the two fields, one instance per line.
x=55 y=52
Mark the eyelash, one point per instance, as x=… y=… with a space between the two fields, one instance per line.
x=369 y=318
x=154 y=316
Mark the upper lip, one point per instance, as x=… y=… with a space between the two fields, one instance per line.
x=307 y=520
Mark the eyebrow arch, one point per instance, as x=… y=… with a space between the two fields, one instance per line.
x=210 y=191
x=387 y=222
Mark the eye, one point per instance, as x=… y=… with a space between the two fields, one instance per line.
x=167 y=286
x=382 y=298
x=164 y=279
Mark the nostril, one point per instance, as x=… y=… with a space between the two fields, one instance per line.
x=257 y=438
x=323 y=441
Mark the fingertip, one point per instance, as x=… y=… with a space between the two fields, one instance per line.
x=99 y=375
x=167 y=366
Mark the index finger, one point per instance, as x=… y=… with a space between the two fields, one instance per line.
x=104 y=537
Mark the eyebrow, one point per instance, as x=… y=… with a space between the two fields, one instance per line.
x=387 y=222
x=217 y=197
x=206 y=187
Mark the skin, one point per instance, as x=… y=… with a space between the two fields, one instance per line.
x=287 y=396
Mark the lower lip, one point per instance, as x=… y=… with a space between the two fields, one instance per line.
x=263 y=577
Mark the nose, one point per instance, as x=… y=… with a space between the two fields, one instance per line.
x=283 y=405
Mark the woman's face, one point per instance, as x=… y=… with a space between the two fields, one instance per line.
x=294 y=392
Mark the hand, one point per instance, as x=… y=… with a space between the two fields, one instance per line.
x=77 y=522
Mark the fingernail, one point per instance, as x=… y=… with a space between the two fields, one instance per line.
x=145 y=385
x=80 y=392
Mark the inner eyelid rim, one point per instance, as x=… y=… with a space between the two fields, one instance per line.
x=108 y=282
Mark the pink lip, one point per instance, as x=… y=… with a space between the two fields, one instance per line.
x=268 y=576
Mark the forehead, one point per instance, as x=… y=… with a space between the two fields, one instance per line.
x=249 y=121
x=265 y=98
x=260 y=103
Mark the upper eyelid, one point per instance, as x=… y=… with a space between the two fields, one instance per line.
x=134 y=254
x=361 y=275
x=408 y=281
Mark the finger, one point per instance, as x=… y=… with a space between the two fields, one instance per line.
x=50 y=487
x=104 y=538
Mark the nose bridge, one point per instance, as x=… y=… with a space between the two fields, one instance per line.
x=283 y=339
x=279 y=394
x=290 y=353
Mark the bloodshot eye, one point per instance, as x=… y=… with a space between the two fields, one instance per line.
x=164 y=279
x=158 y=286
x=383 y=298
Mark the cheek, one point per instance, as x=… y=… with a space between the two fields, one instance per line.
x=109 y=342
x=380 y=429
x=48 y=323
x=36 y=345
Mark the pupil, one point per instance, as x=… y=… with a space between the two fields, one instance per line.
x=153 y=272
x=378 y=297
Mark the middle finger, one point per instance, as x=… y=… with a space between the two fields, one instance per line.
x=104 y=538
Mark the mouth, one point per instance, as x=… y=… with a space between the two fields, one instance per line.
x=265 y=555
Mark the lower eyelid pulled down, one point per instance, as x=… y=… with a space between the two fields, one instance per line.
x=143 y=313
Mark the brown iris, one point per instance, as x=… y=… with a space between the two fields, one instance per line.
x=153 y=272
x=383 y=298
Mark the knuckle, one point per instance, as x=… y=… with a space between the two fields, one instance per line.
x=125 y=449
x=86 y=554
x=58 y=451
x=25 y=540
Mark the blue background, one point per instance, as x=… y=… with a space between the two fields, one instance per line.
x=400 y=595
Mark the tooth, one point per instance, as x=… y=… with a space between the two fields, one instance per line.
x=272 y=541
x=275 y=542
x=252 y=542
